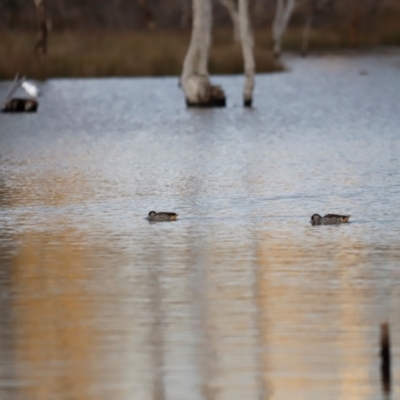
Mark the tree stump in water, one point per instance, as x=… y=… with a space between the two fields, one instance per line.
x=20 y=105
x=206 y=95
x=199 y=92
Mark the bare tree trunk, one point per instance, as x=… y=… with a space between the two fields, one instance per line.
x=41 y=43
x=372 y=16
x=284 y=10
x=246 y=37
x=316 y=9
x=233 y=13
x=61 y=8
x=306 y=32
x=186 y=11
x=148 y=14
x=194 y=80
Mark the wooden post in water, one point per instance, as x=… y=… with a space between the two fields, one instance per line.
x=385 y=358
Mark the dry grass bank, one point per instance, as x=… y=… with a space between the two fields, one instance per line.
x=87 y=54
x=157 y=53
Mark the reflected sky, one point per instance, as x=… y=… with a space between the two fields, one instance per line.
x=240 y=297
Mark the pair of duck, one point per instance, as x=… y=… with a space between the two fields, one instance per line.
x=316 y=219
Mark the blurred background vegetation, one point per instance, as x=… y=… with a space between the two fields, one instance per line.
x=150 y=37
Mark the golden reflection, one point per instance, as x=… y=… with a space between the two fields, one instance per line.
x=52 y=314
x=292 y=293
x=232 y=328
x=259 y=314
x=57 y=187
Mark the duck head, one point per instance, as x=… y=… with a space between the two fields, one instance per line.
x=316 y=219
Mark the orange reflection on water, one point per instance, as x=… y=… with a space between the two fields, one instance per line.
x=294 y=294
x=53 y=335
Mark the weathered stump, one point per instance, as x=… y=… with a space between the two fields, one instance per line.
x=247 y=102
x=199 y=92
x=20 y=105
x=212 y=96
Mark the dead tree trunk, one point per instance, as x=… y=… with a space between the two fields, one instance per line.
x=316 y=10
x=41 y=43
x=147 y=13
x=186 y=13
x=247 y=41
x=232 y=10
x=305 y=37
x=194 y=80
x=284 y=10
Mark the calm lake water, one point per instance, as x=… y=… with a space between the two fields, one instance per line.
x=240 y=298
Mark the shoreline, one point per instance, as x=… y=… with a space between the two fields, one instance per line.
x=161 y=53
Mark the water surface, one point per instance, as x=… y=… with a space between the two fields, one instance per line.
x=240 y=298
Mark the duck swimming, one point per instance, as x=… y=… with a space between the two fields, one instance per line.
x=329 y=219
x=162 y=216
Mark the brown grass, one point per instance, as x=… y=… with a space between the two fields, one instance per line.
x=88 y=54
x=157 y=53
